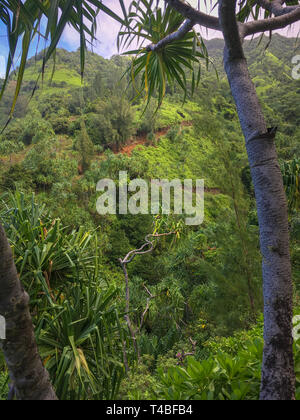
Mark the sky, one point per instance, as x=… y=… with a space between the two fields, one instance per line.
x=107 y=33
x=108 y=29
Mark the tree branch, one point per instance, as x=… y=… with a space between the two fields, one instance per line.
x=175 y=36
x=129 y=257
x=192 y=14
x=148 y=291
x=272 y=24
x=132 y=254
x=183 y=355
x=276 y=7
x=144 y=313
x=127 y=317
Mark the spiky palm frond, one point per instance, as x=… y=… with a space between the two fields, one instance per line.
x=149 y=24
x=81 y=340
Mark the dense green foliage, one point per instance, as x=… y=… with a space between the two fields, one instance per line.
x=231 y=372
x=205 y=281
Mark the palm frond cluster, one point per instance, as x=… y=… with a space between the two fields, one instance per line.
x=148 y=24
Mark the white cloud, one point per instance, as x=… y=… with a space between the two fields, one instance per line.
x=2 y=66
x=107 y=33
x=71 y=37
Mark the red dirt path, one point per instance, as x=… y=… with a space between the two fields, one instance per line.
x=142 y=139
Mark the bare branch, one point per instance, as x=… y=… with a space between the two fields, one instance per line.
x=183 y=355
x=125 y=357
x=194 y=15
x=129 y=257
x=148 y=291
x=132 y=254
x=144 y=313
x=175 y=36
x=127 y=317
x=271 y=24
x=276 y=7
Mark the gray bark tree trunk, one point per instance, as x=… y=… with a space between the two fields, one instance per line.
x=278 y=377
x=27 y=373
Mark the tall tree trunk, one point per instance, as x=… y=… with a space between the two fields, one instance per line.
x=278 y=377
x=27 y=373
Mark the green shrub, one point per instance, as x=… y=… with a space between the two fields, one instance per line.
x=81 y=341
x=232 y=372
x=36 y=130
x=3 y=385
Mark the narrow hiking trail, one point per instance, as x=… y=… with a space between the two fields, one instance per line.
x=127 y=149
x=65 y=144
x=141 y=140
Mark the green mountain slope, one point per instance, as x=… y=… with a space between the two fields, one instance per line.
x=69 y=136
x=204 y=282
